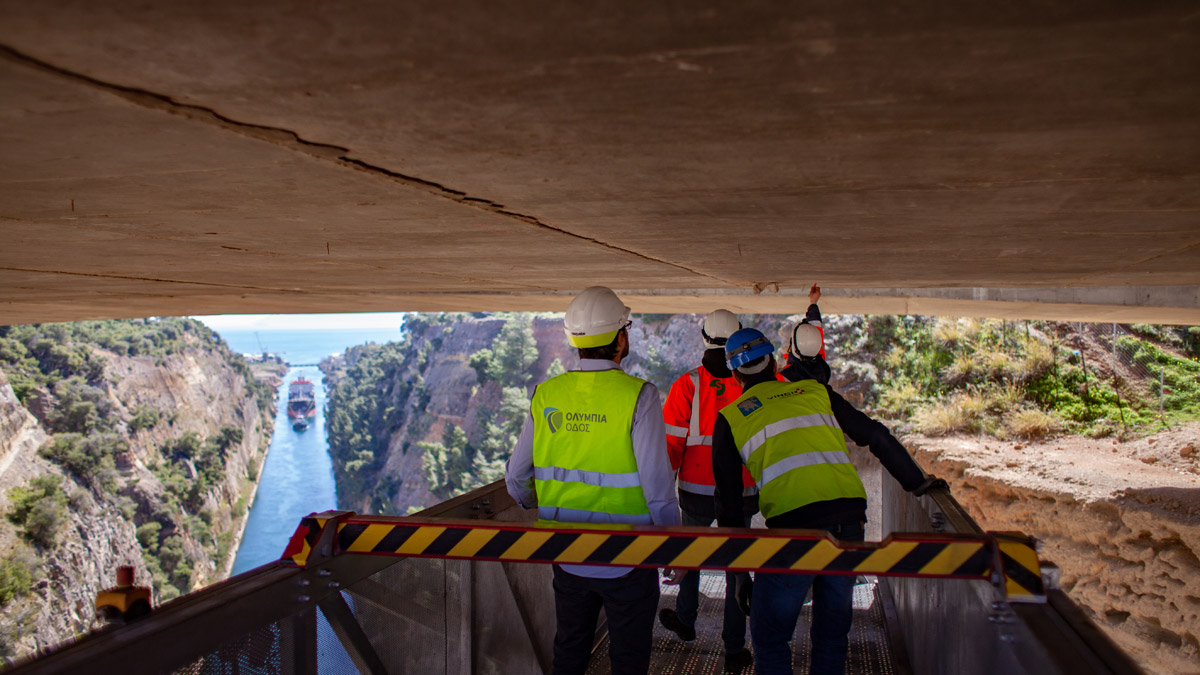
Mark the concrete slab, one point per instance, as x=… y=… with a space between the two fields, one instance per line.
x=224 y=157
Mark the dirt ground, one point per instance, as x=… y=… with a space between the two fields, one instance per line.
x=1122 y=520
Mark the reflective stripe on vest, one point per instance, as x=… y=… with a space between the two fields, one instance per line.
x=673 y=430
x=558 y=473
x=710 y=490
x=776 y=428
x=584 y=466
x=694 y=427
x=792 y=445
x=708 y=395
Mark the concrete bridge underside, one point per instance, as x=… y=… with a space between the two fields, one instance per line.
x=1021 y=159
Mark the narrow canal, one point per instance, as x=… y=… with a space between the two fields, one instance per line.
x=297 y=477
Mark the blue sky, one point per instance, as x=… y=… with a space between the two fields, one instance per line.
x=303 y=321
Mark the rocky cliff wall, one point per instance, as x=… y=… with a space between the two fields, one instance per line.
x=97 y=502
x=1120 y=518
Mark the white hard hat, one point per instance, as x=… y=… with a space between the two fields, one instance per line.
x=594 y=317
x=806 y=340
x=718 y=326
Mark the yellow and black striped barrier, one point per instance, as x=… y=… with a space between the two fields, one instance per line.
x=992 y=557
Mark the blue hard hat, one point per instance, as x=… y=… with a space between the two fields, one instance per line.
x=745 y=346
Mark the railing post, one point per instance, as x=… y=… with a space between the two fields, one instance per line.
x=460 y=605
x=298 y=637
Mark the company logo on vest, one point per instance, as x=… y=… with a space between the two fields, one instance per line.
x=749 y=405
x=572 y=421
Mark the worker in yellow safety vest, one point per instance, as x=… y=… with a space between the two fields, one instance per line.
x=593 y=450
x=790 y=436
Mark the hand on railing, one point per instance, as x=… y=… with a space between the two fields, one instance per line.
x=929 y=484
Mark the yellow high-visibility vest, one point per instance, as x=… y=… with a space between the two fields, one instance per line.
x=792 y=444
x=582 y=447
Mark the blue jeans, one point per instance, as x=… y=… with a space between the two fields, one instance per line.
x=733 y=630
x=776 y=605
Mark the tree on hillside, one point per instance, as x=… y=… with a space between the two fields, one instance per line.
x=510 y=360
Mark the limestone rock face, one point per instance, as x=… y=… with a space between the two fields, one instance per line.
x=201 y=390
x=20 y=432
x=1124 y=532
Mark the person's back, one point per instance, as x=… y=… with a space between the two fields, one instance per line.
x=689 y=412
x=574 y=415
x=790 y=436
x=593 y=450
x=806 y=349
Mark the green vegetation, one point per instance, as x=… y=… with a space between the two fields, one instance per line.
x=191 y=466
x=459 y=464
x=39 y=355
x=456 y=465
x=510 y=360
x=17 y=570
x=364 y=408
x=40 y=509
x=1021 y=380
x=88 y=458
x=382 y=389
x=144 y=417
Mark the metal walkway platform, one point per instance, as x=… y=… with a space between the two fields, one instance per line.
x=870 y=651
x=338 y=611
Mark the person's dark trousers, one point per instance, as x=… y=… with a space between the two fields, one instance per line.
x=733 y=630
x=687 y=603
x=629 y=602
x=776 y=605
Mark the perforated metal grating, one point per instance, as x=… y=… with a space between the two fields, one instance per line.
x=869 y=651
x=271 y=651
x=259 y=653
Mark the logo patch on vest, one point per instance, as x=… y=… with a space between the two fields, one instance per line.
x=575 y=421
x=749 y=405
x=718 y=385
x=553 y=419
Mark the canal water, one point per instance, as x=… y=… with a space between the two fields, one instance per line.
x=297 y=477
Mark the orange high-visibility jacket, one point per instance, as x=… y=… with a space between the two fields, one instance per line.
x=690 y=412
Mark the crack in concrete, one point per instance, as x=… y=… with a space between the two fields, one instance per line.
x=122 y=277
x=326 y=151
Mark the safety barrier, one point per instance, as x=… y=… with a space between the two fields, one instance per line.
x=352 y=609
x=1006 y=559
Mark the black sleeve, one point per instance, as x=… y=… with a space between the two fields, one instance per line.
x=813 y=313
x=727 y=476
x=865 y=431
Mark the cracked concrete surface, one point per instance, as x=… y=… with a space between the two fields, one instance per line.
x=227 y=158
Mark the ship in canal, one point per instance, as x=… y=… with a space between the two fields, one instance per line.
x=301 y=403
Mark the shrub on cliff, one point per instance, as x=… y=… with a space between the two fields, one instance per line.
x=510 y=359
x=144 y=417
x=89 y=458
x=447 y=464
x=40 y=508
x=17 y=570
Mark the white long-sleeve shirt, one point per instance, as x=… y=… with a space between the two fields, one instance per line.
x=649 y=435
